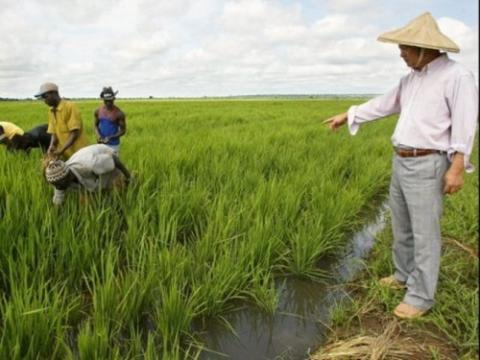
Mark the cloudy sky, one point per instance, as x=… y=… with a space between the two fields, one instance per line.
x=174 y=48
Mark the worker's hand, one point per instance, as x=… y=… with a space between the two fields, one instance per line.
x=336 y=121
x=453 y=181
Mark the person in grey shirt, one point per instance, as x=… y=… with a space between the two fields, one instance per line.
x=92 y=168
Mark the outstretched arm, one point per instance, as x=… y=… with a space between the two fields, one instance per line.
x=376 y=108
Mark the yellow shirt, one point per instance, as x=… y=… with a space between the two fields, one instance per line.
x=62 y=121
x=10 y=129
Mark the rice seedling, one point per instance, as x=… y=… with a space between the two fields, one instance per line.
x=229 y=195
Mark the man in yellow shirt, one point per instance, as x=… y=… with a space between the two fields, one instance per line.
x=64 y=123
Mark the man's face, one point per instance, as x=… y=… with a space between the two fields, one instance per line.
x=409 y=54
x=49 y=98
x=108 y=103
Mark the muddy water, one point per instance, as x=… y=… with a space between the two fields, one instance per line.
x=300 y=322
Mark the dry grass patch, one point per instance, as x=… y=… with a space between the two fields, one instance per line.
x=390 y=344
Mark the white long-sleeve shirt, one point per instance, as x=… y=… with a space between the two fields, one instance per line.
x=438 y=109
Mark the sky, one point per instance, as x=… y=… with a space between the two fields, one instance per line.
x=196 y=48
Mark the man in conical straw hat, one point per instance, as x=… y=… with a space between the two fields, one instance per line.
x=438 y=106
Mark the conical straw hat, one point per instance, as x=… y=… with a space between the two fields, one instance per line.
x=422 y=32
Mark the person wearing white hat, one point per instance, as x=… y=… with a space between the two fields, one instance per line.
x=109 y=121
x=64 y=123
x=92 y=168
x=433 y=139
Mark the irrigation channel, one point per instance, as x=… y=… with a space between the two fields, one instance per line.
x=301 y=321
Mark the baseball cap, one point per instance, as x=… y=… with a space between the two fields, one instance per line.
x=46 y=87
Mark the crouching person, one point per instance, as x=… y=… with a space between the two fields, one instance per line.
x=91 y=168
x=14 y=138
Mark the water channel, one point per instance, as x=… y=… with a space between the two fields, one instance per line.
x=299 y=325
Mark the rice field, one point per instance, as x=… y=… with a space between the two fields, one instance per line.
x=228 y=195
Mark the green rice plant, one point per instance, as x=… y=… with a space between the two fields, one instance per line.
x=35 y=321
x=229 y=196
x=116 y=299
x=218 y=285
x=264 y=292
x=173 y=317
x=94 y=342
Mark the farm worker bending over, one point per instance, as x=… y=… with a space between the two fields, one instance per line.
x=16 y=139
x=64 y=123
x=433 y=139
x=109 y=121
x=92 y=168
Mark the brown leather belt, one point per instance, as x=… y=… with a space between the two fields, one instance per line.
x=416 y=152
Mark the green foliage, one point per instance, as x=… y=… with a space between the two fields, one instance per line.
x=229 y=194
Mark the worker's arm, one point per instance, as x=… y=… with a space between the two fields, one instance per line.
x=96 y=121
x=119 y=165
x=72 y=137
x=53 y=144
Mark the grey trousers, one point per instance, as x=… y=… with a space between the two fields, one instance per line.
x=416 y=203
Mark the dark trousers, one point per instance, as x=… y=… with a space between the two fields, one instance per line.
x=33 y=138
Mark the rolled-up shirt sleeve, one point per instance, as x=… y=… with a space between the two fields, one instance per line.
x=464 y=115
x=376 y=108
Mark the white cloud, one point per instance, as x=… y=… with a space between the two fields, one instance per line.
x=211 y=47
x=467 y=40
x=348 y=5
